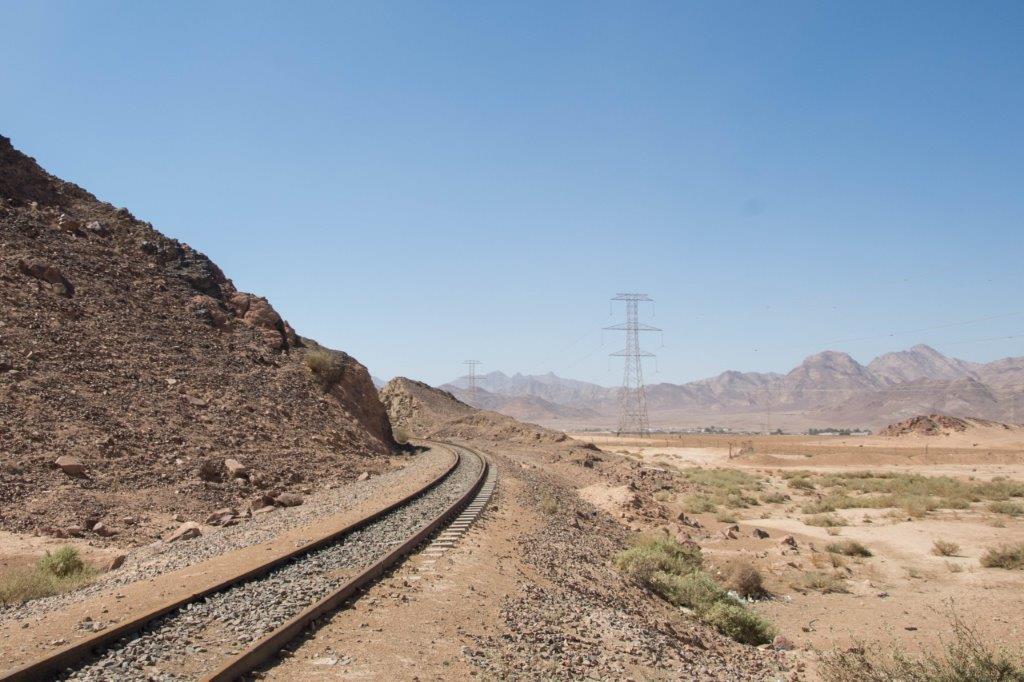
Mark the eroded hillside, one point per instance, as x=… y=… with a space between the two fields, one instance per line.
x=132 y=356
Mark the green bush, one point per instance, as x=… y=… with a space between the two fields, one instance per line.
x=654 y=553
x=739 y=623
x=62 y=562
x=673 y=572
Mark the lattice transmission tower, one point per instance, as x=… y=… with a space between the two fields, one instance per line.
x=472 y=379
x=633 y=414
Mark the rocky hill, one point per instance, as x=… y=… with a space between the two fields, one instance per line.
x=944 y=425
x=428 y=412
x=132 y=359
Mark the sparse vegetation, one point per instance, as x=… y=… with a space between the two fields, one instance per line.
x=675 y=572
x=739 y=623
x=822 y=581
x=742 y=578
x=725 y=517
x=326 y=367
x=59 y=571
x=913 y=494
x=1006 y=507
x=719 y=487
x=698 y=504
x=774 y=498
x=965 y=659
x=548 y=504
x=945 y=548
x=1007 y=556
x=825 y=520
x=849 y=548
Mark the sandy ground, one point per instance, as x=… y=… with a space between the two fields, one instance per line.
x=903 y=593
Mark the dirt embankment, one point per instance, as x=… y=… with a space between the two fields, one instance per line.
x=132 y=356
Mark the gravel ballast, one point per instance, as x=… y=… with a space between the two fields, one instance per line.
x=224 y=623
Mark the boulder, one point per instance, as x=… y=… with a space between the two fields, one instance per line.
x=72 y=466
x=115 y=562
x=288 y=499
x=97 y=228
x=211 y=470
x=49 y=276
x=363 y=476
x=103 y=530
x=782 y=643
x=758 y=533
x=235 y=468
x=788 y=541
x=221 y=517
x=207 y=309
x=187 y=530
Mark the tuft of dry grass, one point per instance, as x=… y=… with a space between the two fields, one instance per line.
x=1007 y=556
x=822 y=581
x=849 y=548
x=325 y=366
x=964 y=659
x=59 y=571
x=548 y=504
x=825 y=520
x=945 y=548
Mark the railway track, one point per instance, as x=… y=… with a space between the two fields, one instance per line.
x=230 y=629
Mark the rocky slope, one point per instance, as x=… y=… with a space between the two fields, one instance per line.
x=133 y=355
x=429 y=412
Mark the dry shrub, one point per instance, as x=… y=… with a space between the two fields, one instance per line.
x=824 y=582
x=945 y=548
x=849 y=548
x=964 y=659
x=825 y=520
x=326 y=367
x=1006 y=507
x=1007 y=556
x=742 y=578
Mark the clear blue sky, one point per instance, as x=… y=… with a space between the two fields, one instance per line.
x=422 y=183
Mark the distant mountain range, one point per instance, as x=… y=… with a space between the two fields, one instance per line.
x=826 y=389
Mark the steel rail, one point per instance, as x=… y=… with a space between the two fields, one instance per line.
x=267 y=647
x=52 y=663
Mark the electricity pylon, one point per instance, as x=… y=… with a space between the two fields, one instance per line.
x=472 y=379
x=633 y=414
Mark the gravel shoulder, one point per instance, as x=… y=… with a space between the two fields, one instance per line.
x=526 y=594
x=153 y=576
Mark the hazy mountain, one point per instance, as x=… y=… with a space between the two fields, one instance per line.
x=920 y=362
x=829 y=388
